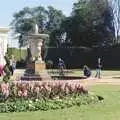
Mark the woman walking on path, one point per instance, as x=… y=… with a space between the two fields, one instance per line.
x=98 y=69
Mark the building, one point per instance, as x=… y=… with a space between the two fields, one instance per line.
x=3 y=43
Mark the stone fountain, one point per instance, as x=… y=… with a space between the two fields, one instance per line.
x=36 y=68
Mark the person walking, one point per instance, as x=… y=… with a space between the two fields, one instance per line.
x=61 y=66
x=12 y=65
x=98 y=69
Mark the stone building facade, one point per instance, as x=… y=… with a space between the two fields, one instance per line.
x=3 y=44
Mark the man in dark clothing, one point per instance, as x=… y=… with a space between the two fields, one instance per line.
x=98 y=69
x=87 y=71
x=61 y=66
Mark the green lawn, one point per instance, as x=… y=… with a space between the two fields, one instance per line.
x=79 y=72
x=107 y=110
x=104 y=72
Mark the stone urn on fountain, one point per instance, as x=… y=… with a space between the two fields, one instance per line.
x=35 y=65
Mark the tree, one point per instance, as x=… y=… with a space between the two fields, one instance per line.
x=116 y=11
x=91 y=24
x=55 y=18
x=24 y=21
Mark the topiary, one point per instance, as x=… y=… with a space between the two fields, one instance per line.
x=7 y=71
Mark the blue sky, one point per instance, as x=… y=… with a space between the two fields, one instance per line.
x=8 y=7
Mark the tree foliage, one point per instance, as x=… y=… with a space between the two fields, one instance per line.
x=91 y=24
x=47 y=19
x=116 y=12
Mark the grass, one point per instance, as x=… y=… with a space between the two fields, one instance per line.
x=77 y=72
x=104 y=73
x=108 y=109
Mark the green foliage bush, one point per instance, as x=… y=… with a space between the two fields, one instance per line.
x=35 y=105
x=49 y=95
x=49 y=64
x=18 y=53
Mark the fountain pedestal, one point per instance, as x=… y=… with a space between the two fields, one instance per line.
x=36 y=68
x=35 y=72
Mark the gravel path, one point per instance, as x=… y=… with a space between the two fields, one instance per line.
x=113 y=80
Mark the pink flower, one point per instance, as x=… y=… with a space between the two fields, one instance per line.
x=5 y=90
x=37 y=89
x=48 y=88
x=24 y=93
x=1 y=69
x=66 y=90
x=19 y=93
x=62 y=87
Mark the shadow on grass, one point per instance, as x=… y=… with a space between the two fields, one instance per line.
x=67 y=77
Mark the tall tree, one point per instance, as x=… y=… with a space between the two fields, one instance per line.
x=91 y=23
x=55 y=18
x=116 y=11
x=24 y=21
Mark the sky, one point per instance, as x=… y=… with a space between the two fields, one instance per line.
x=9 y=7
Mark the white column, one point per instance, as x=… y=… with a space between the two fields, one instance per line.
x=3 y=47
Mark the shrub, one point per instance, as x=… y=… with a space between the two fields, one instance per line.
x=49 y=64
x=34 y=105
x=21 y=96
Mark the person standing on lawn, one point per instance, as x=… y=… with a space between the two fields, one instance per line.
x=61 y=66
x=98 y=69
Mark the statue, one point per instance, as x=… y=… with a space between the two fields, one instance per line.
x=35 y=48
x=35 y=64
x=36 y=29
x=35 y=44
x=39 y=46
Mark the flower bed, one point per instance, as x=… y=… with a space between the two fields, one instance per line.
x=41 y=90
x=42 y=95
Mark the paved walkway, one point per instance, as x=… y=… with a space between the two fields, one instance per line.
x=114 y=80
